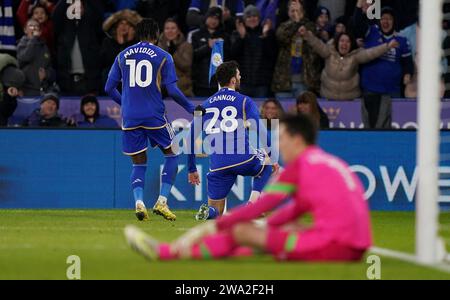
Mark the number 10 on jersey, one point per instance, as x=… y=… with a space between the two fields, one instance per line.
x=136 y=72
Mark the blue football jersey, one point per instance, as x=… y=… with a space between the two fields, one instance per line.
x=384 y=74
x=143 y=68
x=225 y=125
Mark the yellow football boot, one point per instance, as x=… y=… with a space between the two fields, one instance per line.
x=141 y=213
x=164 y=211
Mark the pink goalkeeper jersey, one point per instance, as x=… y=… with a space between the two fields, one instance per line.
x=320 y=184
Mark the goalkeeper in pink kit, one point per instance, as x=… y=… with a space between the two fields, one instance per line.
x=313 y=182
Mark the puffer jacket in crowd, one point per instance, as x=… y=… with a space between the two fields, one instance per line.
x=312 y=63
x=181 y=52
x=340 y=77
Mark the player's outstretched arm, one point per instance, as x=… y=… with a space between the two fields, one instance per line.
x=194 y=133
x=256 y=125
x=179 y=97
x=193 y=177
x=286 y=214
x=273 y=195
x=246 y=213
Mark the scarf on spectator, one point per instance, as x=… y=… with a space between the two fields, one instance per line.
x=7 y=35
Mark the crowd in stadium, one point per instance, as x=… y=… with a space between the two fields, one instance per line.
x=329 y=48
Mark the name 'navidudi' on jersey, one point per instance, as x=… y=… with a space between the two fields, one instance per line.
x=143 y=68
x=225 y=126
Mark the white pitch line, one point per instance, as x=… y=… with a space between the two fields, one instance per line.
x=411 y=258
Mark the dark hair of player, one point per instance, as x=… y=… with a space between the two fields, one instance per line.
x=226 y=71
x=147 y=30
x=301 y=125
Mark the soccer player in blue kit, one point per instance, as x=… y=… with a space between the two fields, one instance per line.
x=143 y=68
x=222 y=116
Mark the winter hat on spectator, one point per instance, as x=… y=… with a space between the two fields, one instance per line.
x=128 y=15
x=214 y=12
x=251 y=11
x=90 y=99
x=11 y=76
x=322 y=10
x=51 y=96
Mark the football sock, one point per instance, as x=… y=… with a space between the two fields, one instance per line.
x=168 y=175
x=165 y=253
x=138 y=182
x=260 y=181
x=162 y=200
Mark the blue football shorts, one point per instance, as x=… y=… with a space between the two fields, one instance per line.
x=136 y=139
x=221 y=181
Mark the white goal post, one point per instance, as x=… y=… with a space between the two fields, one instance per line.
x=428 y=246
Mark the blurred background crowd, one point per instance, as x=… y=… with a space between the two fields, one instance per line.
x=301 y=49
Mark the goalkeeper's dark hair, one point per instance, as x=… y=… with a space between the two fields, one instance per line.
x=226 y=71
x=147 y=30
x=301 y=125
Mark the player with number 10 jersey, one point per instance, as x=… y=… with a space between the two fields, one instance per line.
x=143 y=69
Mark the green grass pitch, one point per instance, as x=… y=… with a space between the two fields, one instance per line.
x=34 y=244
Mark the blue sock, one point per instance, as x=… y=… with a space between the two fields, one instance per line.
x=168 y=174
x=138 y=181
x=213 y=212
x=260 y=181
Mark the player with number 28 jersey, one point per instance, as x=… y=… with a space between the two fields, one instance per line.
x=225 y=123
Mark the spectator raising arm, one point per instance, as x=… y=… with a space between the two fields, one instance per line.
x=360 y=22
x=269 y=39
x=22 y=11
x=318 y=46
x=367 y=55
